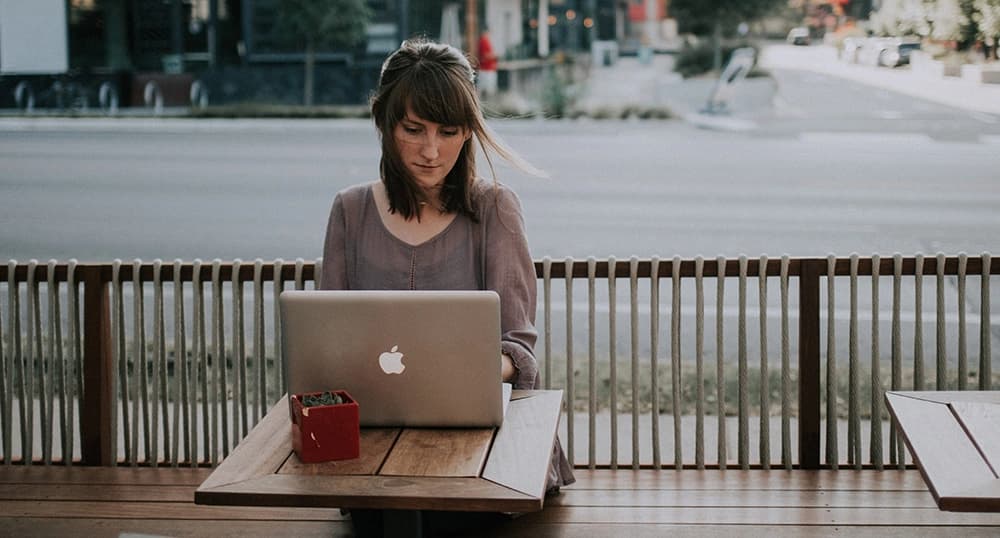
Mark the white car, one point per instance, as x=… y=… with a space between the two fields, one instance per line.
x=798 y=36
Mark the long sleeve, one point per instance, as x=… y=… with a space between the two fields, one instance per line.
x=334 y=275
x=510 y=272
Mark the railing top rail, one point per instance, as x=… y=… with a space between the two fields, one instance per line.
x=578 y=268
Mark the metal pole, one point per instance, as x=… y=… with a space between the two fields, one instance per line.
x=471 y=27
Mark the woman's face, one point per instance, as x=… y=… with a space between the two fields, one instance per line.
x=429 y=150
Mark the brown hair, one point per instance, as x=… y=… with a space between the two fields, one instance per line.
x=437 y=83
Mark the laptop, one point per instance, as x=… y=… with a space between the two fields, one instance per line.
x=409 y=358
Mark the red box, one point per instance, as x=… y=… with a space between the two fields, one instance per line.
x=326 y=432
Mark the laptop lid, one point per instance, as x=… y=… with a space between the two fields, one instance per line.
x=410 y=358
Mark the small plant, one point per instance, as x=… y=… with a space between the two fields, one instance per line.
x=326 y=398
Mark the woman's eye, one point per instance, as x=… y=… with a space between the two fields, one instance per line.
x=449 y=132
x=411 y=130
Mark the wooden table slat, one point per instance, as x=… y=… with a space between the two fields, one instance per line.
x=261 y=452
x=982 y=421
x=375 y=446
x=400 y=493
x=439 y=452
x=946 y=455
x=522 y=449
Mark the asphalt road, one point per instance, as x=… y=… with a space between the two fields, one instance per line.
x=617 y=188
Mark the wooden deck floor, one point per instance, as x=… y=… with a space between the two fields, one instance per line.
x=59 y=501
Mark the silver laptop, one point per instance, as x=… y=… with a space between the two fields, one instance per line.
x=410 y=358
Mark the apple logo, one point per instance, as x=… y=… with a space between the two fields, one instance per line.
x=391 y=361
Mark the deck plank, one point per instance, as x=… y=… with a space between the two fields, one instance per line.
x=753 y=515
x=733 y=479
x=162 y=510
x=103 y=528
x=735 y=498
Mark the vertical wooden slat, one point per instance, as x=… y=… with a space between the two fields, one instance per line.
x=875 y=443
x=985 y=337
x=896 y=448
x=853 y=375
x=743 y=392
x=613 y=356
x=786 y=369
x=592 y=362
x=119 y=380
x=97 y=428
x=918 y=322
x=634 y=348
x=140 y=384
x=654 y=345
x=200 y=350
x=240 y=404
x=675 y=358
x=259 y=360
x=182 y=418
x=55 y=383
x=699 y=373
x=765 y=390
x=5 y=398
x=963 y=359
x=32 y=362
x=14 y=362
x=720 y=377
x=279 y=358
x=832 y=414
x=941 y=372
x=220 y=425
x=570 y=378
x=159 y=348
x=809 y=365
x=547 y=314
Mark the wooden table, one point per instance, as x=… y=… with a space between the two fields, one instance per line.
x=955 y=439
x=401 y=470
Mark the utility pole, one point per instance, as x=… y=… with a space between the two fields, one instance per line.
x=471 y=27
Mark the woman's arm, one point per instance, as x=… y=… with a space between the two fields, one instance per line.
x=334 y=276
x=511 y=273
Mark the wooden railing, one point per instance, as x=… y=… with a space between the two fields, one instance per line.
x=104 y=372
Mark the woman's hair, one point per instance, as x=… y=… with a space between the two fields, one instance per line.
x=437 y=83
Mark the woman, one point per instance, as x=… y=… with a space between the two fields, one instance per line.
x=430 y=223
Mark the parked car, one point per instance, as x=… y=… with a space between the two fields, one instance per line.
x=886 y=51
x=798 y=36
x=897 y=52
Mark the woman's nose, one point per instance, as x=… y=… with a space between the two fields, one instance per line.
x=429 y=149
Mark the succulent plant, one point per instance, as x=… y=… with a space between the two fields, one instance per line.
x=326 y=398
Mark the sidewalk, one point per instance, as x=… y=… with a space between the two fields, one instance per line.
x=951 y=91
x=655 y=85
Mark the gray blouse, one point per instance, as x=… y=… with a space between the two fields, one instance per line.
x=360 y=253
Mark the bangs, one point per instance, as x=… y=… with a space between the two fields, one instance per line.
x=441 y=99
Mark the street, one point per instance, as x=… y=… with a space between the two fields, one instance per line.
x=261 y=189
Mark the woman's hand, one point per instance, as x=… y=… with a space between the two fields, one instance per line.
x=507 y=370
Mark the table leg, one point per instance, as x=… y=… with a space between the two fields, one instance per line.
x=399 y=523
